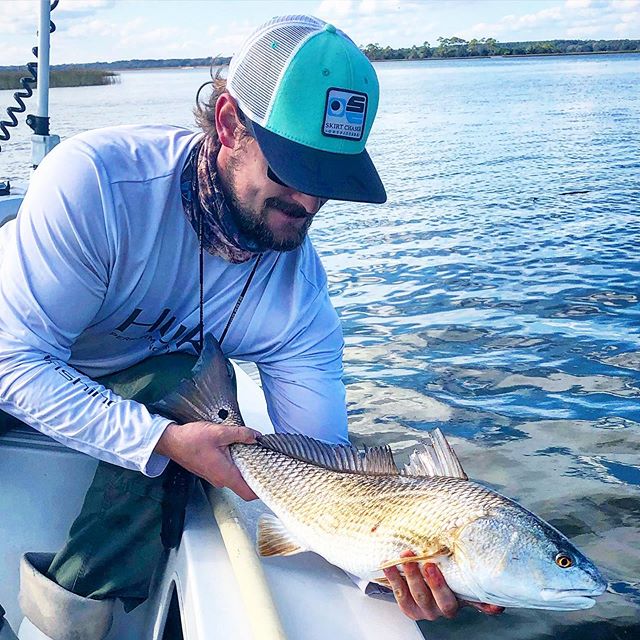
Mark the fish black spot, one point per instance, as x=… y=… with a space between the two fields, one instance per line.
x=223 y=414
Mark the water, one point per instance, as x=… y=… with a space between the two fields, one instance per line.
x=480 y=298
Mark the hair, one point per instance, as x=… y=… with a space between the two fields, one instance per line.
x=205 y=110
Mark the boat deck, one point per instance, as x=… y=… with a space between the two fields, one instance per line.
x=43 y=486
x=200 y=589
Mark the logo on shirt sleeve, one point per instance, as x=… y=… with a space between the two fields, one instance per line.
x=345 y=114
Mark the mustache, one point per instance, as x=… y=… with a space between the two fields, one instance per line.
x=290 y=209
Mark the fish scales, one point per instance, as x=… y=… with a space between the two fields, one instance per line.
x=368 y=518
x=358 y=512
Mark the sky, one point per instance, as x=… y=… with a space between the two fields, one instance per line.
x=107 y=30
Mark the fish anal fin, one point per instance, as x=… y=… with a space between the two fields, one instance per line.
x=274 y=539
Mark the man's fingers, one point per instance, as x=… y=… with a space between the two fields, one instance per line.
x=244 y=491
x=246 y=435
x=401 y=593
x=236 y=433
x=237 y=484
x=254 y=432
x=445 y=598
x=420 y=592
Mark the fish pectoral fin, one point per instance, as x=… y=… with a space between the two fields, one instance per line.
x=430 y=555
x=382 y=581
x=274 y=539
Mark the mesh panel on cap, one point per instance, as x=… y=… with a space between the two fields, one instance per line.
x=254 y=77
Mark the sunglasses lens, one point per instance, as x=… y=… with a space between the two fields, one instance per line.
x=272 y=176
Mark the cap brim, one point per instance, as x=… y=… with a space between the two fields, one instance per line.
x=336 y=176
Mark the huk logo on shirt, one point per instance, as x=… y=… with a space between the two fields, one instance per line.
x=161 y=332
x=345 y=114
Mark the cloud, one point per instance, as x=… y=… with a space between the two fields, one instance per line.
x=24 y=18
x=71 y=15
x=513 y=24
x=80 y=8
x=384 y=21
x=90 y=27
x=16 y=57
x=103 y=28
x=333 y=9
x=625 y=5
x=628 y=23
x=400 y=23
x=573 y=19
x=68 y=16
x=582 y=33
x=231 y=39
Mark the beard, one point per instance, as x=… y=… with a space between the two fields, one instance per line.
x=254 y=224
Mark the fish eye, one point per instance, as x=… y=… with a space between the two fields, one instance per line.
x=563 y=561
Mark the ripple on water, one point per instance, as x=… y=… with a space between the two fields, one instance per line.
x=486 y=296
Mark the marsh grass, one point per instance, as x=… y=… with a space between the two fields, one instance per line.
x=62 y=78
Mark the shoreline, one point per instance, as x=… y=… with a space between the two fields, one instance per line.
x=113 y=71
x=515 y=55
x=510 y=55
x=11 y=80
x=434 y=59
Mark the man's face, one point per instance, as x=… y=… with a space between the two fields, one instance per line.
x=275 y=216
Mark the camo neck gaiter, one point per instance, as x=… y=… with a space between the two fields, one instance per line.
x=204 y=202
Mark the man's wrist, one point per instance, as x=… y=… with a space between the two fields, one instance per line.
x=166 y=443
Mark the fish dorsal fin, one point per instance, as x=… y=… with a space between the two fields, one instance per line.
x=336 y=457
x=435 y=458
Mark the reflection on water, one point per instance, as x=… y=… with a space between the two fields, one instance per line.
x=481 y=300
x=487 y=297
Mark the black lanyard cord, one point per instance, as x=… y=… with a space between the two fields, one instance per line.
x=238 y=301
x=241 y=297
x=201 y=265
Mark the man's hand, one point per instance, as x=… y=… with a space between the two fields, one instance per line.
x=424 y=595
x=203 y=449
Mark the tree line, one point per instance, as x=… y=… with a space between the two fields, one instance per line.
x=446 y=48
x=136 y=64
x=455 y=47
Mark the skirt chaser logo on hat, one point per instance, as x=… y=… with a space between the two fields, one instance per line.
x=345 y=114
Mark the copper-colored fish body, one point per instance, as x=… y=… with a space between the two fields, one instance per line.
x=360 y=512
x=360 y=521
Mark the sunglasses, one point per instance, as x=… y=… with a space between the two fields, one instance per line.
x=248 y=125
x=274 y=178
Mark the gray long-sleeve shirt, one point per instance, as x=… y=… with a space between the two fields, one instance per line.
x=100 y=271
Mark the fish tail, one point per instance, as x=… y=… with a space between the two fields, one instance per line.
x=209 y=393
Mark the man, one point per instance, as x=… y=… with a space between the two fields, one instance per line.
x=134 y=241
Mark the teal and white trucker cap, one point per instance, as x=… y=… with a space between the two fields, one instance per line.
x=311 y=97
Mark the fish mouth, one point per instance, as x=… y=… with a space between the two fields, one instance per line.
x=570 y=599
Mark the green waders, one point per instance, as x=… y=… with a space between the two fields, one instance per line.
x=114 y=545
